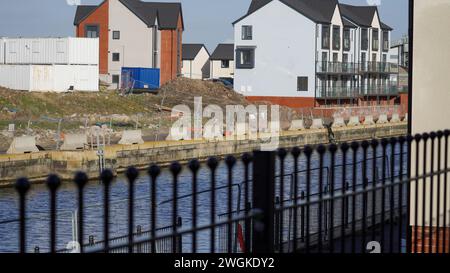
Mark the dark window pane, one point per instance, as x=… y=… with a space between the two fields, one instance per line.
x=336 y=37
x=364 y=39
x=116 y=35
x=326 y=37
x=302 y=83
x=116 y=57
x=115 y=78
x=245 y=58
x=225 y=63
x=347 y=39
x=375 y=40
x=247 y=32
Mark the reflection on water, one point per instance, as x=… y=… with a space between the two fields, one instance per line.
x=38 y=201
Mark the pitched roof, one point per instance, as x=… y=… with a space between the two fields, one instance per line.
x=348 y=24
x=190 y=51
x=361 y=15
x=318 y=11
x=149 y=12
x=83 y=12
x=223 y=52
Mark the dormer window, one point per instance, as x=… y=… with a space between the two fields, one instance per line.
x=336 y=37
x=385 y=41
x=346 y=39
x=375 y=40
x=364 y=39
x=325 y=37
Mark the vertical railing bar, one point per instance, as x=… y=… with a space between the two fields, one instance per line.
x=444 y=239
x=212 y=164
x=384 y=143
x=425 y=139
x=430 y=238
x=281 y=155
x=132 y=174
x=321 y=150
x=81 y=180
x=365 y=146
x=400 y=196
x=53 y=183
x=344 y=149
x=418 y=138
x=175 y=169
x=438 y=190
x=22 y=187
x=194 y=165
x=374 y=145
x=230 y=161
x=355 y=146
x=409 y=196
x=333 y=148
x=246 y=159
x=296 y=153
x=106 y=177
x=393 y=143
x=308 y=152
x=154 y=172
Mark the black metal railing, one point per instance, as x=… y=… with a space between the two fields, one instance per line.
x=386 y=195
x=323 y=67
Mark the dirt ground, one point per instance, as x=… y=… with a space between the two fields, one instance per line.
x=39 y=113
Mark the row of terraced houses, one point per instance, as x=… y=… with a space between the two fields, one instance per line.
x=298 y=53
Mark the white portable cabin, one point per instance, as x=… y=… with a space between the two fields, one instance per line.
x=2 y=50
x=80 y=51
x=49 y=78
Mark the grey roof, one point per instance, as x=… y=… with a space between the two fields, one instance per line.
x=82 y=12
x=361 y=15
x=318 y=11
x=348 y=24
x=223 y=52
x=190 y=51
x=166 y=13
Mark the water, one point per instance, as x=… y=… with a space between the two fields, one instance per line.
x=38 y=202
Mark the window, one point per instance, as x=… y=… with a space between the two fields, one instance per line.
x=247 y=32
x=347 y=39
x=302 y=83
x=91 y=31
x=385 y=41
x=375 y=40
x=324 y=61
x=345 y=58
x=325 y=37
x=115 y=79
x=116 y=57
x=245 y=58
x=116 y=35
x=225 y=64
x=336 y=37
x=364 y=39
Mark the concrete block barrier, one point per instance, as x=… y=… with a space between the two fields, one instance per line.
x=382 y=119
x=297 y=125
x=354 y=121
x=339 y=123
x=395 y=118
x=74 y=142
x=131 y=137
x=317 y=124
x=368 y=120
x=23 y=145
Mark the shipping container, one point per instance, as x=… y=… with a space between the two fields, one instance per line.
x=50 y=78
x=141 y=78
x=82 y=51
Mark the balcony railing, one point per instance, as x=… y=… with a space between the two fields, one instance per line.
x=337 y=92
x=346 y=92
x=356 y=68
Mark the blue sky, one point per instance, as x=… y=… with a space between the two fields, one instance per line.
x=206 y=21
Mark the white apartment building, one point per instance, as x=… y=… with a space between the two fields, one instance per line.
x=307 y=53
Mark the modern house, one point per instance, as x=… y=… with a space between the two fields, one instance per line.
x=326 y=54
x=222 y=62
x=195 y=61
x=133 y=33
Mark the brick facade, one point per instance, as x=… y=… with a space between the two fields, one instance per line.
x=171 y=52
x=99 y=17
x=285 y=101
x=425 y=245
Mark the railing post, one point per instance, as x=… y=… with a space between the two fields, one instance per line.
x=278 y=230
x=263 y=201
x=179 y=237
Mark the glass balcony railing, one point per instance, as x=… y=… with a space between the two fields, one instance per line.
x=356 y=68
x=337 y=92
x=346 y=92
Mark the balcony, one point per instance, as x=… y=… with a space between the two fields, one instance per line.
x=378 y=67
x=356 y=68
x=337 y=92
x=336 y=68
x=379 y=90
